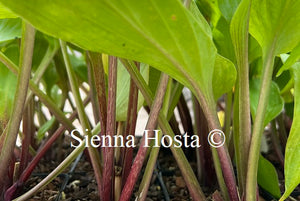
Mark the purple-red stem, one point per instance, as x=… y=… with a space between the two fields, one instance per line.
x=187 y=125
x=28 y=131
x=206 y=171
x=187 y=172
x=7 y=151
x=227 y=170
x=151 y=125
x=99 y=74
x=185 y=116
x=108 y=172
x=130 y=128
x=29 y=169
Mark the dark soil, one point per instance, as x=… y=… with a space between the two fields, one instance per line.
x=167 y=180
x=81 y=185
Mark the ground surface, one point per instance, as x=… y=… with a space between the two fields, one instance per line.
x=166 y=180
x=82 y=185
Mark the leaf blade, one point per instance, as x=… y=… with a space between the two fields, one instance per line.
x=5 y=13
x=275 y=24
x=224 y=76
x=292 y=153
x=10 y=29
x=129 y=32
x=267 y=177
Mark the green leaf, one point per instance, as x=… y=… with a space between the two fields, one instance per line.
x=209 y=10
x=254 y=49
x=224 y=76
x=292 y=151
x=56 y=95
x=294 y=56
x=44 y=128
x=123 y=86
x=79 y=65
x=239 y=35
x=275 y=24
x=275 y=104
x=267 y=177
x=124 y=29
x=285 y=78
x=154 y=81
x=5 y=13
x=8 y=82
x=286 y=82
x=40 y=48
x=10 y=29
x=50 y=78
x=228 y=8
x=199 y=17
x=222 y=39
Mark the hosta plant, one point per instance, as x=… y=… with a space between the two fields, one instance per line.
x=238 y=58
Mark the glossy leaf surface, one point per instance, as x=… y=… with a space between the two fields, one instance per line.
x=5 y=13
x=8 y=82
x=292 y=152
x=224 y=76
x=124 y=29
x=209 y=10
x=267 y=177
x=223 y=40
x=276 y=24
x=10 y=29
x=294 y=57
